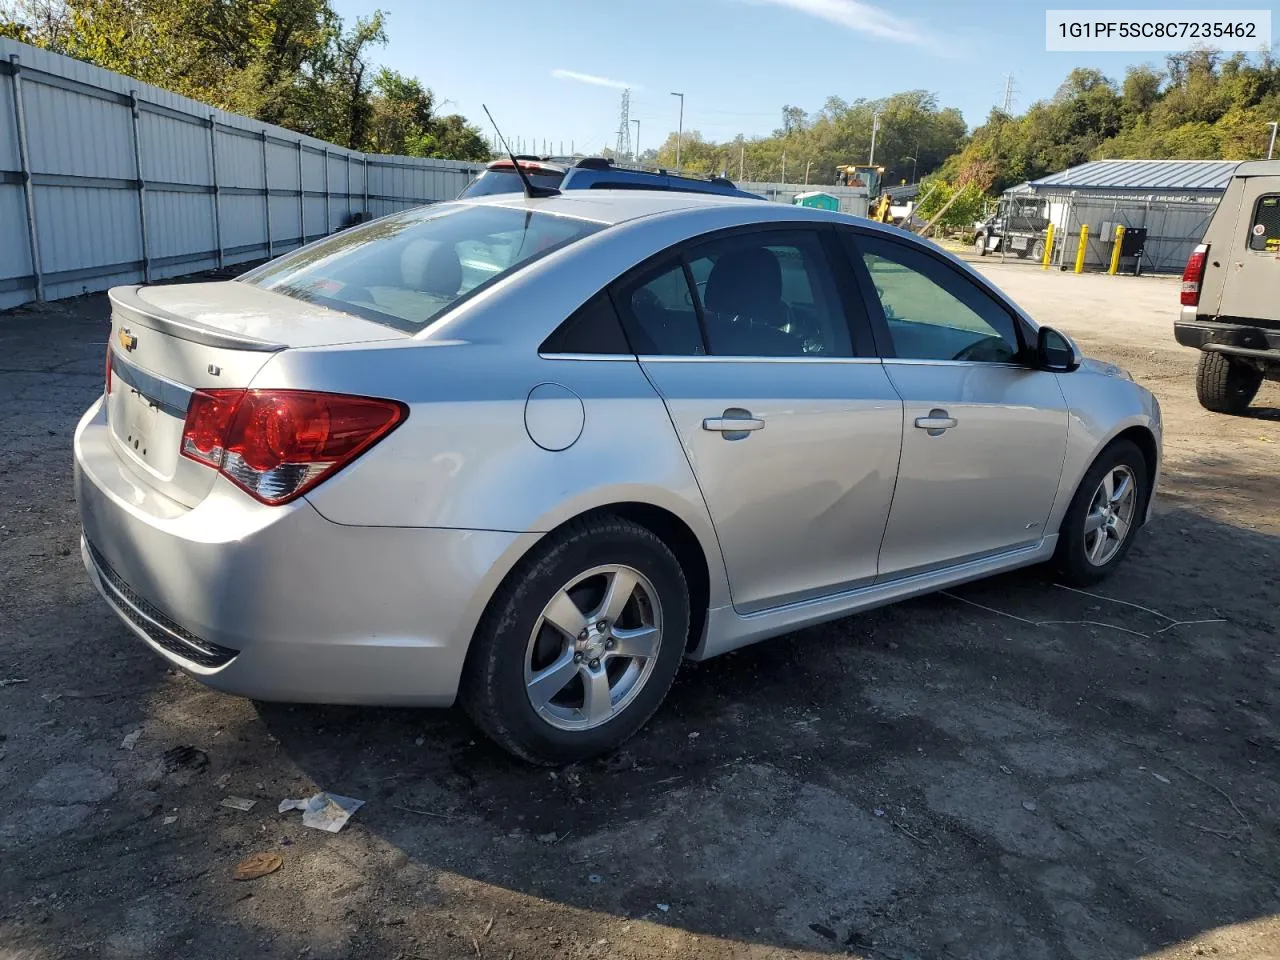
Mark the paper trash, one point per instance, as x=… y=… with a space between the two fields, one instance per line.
x=324 y=811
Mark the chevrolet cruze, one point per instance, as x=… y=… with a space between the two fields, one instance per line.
x=532 y=453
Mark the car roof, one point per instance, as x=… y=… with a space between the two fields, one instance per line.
x=618 y=206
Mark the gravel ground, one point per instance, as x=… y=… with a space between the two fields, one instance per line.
x=1013 y=771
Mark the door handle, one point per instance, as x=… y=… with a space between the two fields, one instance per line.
x=936 y=423
x=734 y=421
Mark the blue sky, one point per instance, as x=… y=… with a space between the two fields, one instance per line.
x=554 y=68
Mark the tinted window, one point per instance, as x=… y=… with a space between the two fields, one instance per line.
x=932 y=311
x=657 y=309
x=593 y=328
x=407 y=269
x=769 y=295
x=1264 y=230
x=499 y=181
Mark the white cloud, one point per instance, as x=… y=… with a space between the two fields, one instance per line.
x=593 y=80
x=857 y=16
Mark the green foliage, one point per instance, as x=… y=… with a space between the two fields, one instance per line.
x=289 y=62
x=957 y=211
x=1200 y=107
x=911 y=125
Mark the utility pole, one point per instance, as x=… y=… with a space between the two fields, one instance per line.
x=806 y=172
x=679 y=130
x=875 y=128
x=1271 y=147
x=742 y=162
x=637 y=143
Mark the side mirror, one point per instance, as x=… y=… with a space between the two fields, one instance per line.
x=1056 y=351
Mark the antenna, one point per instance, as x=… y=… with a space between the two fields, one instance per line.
x=530 y=190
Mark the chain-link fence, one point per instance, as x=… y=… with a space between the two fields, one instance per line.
x=1174 y=226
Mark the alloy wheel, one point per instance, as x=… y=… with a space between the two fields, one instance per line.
x=1110 y=516
x=593 y=647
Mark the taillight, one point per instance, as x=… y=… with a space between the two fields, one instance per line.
x=278 y=444
x=1193 y=275
x=107 y=378
x=204 y=434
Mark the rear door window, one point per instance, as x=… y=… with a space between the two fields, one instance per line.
x=407 y=269
x=1264 y=230
x=770 y=295
x=659 y=314
x=752 y=294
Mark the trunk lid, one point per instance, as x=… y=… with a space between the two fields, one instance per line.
x=168 y=341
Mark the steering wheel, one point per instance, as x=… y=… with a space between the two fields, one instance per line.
x=991 y=349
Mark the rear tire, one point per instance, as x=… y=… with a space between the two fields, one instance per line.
x=550 y=697
x=1037 y=250
x=1113 y=515
x=1224 y=385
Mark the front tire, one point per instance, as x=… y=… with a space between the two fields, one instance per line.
x=1037 y=251
x=1224 y=385
x=980 y=245
x=580 y=644
x=1104 y=515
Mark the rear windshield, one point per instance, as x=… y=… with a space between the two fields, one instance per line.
x=508 y=181
x=1264 y=232
x=406 y=269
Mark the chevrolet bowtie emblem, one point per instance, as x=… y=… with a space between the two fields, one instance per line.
x=127 y=339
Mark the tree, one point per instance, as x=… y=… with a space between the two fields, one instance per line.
x=404 y=121
x=289 y=62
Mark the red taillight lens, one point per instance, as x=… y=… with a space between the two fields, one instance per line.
x=277 y=444
x=208 y=416
x=1193 y=275
x=107 y=388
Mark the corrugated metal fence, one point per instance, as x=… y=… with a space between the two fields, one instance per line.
x=104 y=180
x=1174 y=226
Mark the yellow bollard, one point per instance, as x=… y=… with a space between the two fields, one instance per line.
x=1084 y=245
x=1115 y=250
x=1048 y=248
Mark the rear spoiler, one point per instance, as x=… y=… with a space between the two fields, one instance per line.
x=131 y=308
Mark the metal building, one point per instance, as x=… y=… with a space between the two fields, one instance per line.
x=105 y=181
x=1172 y=199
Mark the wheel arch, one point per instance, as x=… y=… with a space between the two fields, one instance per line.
x=1141 y=435
x=1145 y=440
x=679 y=535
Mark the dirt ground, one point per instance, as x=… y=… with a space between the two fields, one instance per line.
x=1013 y=771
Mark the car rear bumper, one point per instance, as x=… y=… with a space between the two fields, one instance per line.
x=1235 y=338
x=278 y=603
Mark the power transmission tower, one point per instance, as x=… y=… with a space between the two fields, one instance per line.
x=1009 y=90
x=623 y=149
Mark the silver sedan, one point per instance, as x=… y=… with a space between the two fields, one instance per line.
x=530 y=454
